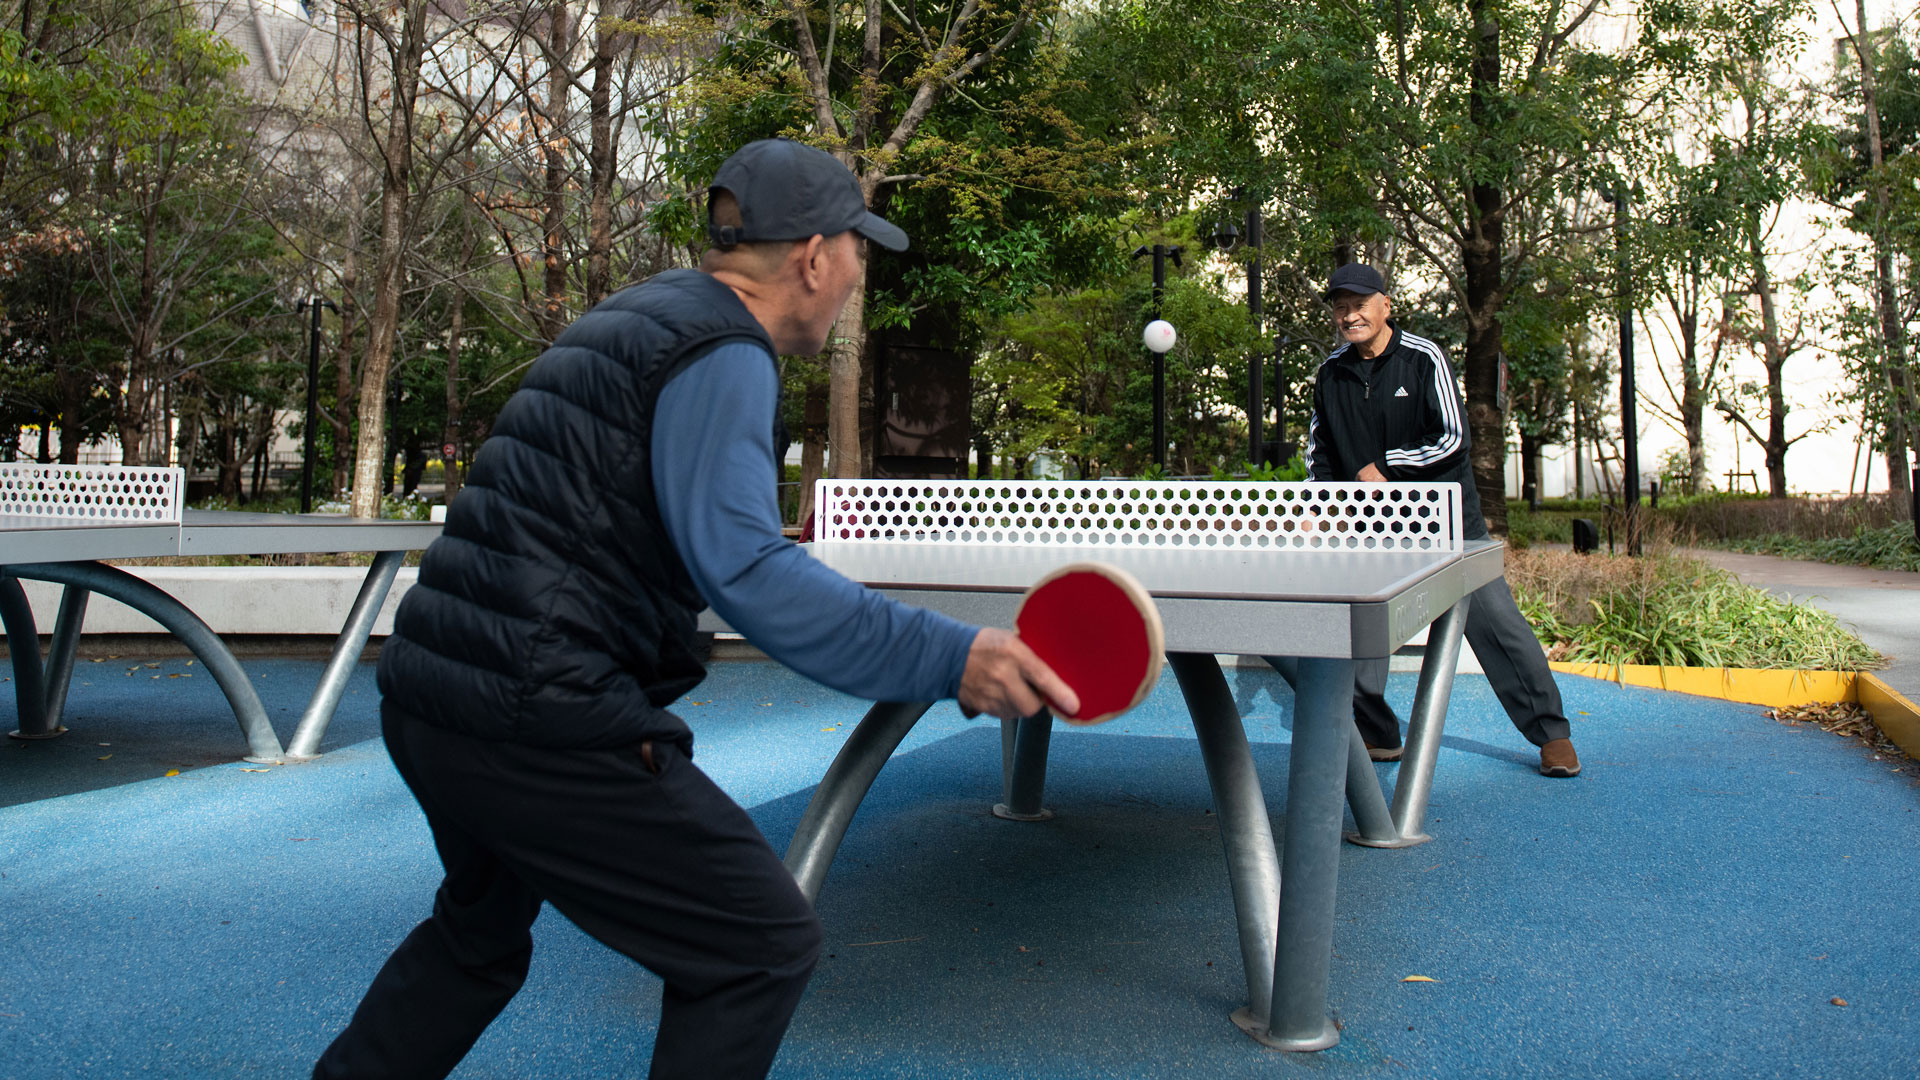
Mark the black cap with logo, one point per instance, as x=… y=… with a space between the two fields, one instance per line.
x=790 y=191
x=1357 y=278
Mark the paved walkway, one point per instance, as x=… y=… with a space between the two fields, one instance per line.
x=1879 y=605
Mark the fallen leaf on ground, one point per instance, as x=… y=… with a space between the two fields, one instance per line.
x=103 y=757
x=1416 y=978
x=1838 y=1001
x=173 y=772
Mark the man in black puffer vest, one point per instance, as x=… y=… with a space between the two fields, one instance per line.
x=626 y=486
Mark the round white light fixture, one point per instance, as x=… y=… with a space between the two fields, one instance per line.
x=1159 y=335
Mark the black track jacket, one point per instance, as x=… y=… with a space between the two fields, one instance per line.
x=1403 y=415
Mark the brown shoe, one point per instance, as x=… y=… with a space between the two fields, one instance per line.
x=1386 y=753
x=1558 y=759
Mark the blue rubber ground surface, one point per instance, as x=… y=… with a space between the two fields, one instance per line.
x=1687 y=908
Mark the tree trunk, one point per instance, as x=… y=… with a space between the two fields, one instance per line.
x=229 y=442
x=71 y=389
x=135 y=407
x=553 y=314
x=813 y=445
x=847 y=346
x=450 y=434
x=1693 y=383
x=1481 y=254
x=134 y=416
x=370 y=459
x=600 y=157
x=259 y=435
x=1892 y=331
x=1579 y=455
x=1530 y=469
x=1774 y=358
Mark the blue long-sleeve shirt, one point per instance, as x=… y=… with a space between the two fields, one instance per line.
x=712 y=475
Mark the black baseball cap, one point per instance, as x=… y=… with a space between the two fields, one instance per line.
x=1357 y=278
x=790 y=191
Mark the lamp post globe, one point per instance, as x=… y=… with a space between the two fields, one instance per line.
x=1159 y=336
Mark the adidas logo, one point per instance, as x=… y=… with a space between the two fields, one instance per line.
x=1402 y=392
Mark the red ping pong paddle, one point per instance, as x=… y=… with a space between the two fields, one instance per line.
x=1097 y=628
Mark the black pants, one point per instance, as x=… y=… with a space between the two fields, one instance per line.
x=643 y=853
x=1508 y=652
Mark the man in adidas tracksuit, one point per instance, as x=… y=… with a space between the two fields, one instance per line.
x=1385 y=407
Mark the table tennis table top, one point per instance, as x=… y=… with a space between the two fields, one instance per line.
x=25 y=539
x=1220 y=600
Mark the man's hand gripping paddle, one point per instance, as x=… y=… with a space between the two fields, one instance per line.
x=1097 y=628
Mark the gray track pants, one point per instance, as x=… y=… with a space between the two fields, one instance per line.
x=1508 y=653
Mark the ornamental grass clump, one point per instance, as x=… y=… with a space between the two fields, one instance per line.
x=1673 y=610
x=1889 y=547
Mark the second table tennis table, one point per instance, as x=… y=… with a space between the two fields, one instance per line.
x=59 y=523
x=1324 y=574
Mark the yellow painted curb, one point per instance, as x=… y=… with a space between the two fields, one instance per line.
x=1891 y=712
x=1752 y=686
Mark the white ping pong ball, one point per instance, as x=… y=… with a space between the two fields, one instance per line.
x=1159 y=335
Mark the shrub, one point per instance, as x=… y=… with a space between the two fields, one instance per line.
x=1891 y=547
x=1721 y=517
x=1670 y=609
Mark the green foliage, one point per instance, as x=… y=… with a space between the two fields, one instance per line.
x=1526 y=528
x=1681 y=612
x=1067 y=371
x=1889 y=547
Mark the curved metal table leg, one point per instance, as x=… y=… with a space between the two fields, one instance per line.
x=1023 y=767
x=110 y=581
x=824 y=824
x=1253 y=867
x=1429 y=720
x=305 y=744
x=23 y=647
x=66 y=643
x=1374 y=825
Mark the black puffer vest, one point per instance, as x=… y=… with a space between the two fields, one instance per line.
x=554 y=609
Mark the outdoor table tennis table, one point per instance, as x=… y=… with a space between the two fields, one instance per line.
x=1310 y=576
x=58 y=524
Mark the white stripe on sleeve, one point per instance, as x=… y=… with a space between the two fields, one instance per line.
x=1453 y=428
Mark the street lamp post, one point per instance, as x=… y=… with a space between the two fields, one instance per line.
x=314 y=304
x=1226 y=238
x=1161 y=253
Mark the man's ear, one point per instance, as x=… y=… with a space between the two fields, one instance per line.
x=813 y=262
